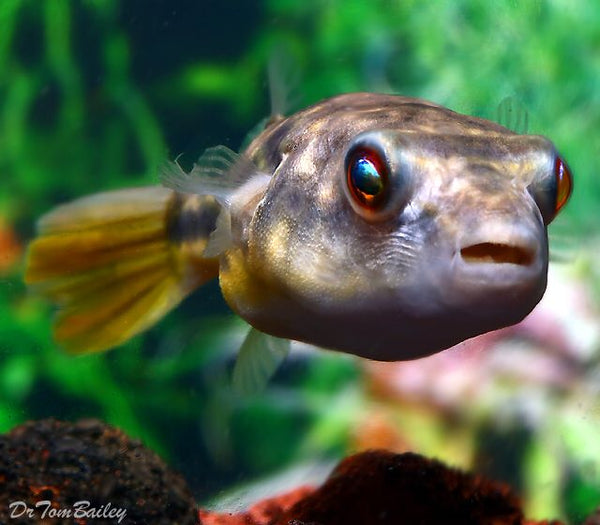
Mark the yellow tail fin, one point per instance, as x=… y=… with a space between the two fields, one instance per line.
x=112 y=265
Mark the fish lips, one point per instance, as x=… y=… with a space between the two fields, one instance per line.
x=491 y=271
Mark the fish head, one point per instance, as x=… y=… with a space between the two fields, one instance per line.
x=394 y=243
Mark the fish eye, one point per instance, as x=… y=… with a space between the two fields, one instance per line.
x=552 y=188
x=367 y=178
x=564 y=184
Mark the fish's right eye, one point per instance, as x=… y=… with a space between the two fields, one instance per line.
x=367 y=178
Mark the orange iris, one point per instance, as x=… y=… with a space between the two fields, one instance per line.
x=564 y=183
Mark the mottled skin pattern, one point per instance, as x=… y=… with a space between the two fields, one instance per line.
x=308 y=263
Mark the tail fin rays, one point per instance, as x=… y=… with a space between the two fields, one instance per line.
x=108 y=262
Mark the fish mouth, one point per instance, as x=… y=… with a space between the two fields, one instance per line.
x=497 y=253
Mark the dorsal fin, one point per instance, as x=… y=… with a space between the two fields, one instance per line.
x=512 y=114
x=284 y=80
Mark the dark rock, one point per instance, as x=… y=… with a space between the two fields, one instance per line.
x=65 y=463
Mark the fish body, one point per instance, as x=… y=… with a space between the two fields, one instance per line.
x=382 y=226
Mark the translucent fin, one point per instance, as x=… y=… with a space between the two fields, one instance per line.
x=560 y=257
x=284 y=81
x=218 y=172
x=563 y=246
x=284 y=90
x=220 y=239
x=258 y=359
x=512 y=114
x=108 y=263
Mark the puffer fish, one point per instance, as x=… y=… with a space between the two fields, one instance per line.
x=378 y=225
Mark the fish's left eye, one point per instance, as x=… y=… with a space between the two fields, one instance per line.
x=367 y=178
x=564 y=184
x=551 y=187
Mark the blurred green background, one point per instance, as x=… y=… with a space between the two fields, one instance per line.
x=96 y=94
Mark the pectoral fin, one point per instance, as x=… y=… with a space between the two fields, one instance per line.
x=219 y=172
x=259 y=358
x=232 y=179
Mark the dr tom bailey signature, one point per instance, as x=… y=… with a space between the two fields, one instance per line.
x=79 y=509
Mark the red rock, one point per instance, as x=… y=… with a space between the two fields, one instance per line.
x=386 y=488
